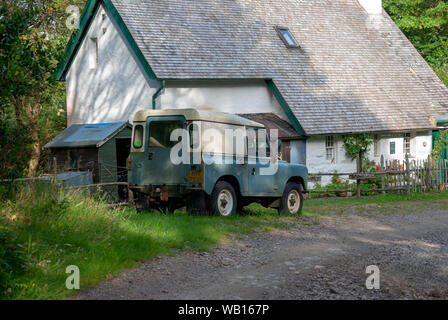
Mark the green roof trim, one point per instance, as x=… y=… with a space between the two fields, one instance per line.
x=78 y=36
x=292 y=118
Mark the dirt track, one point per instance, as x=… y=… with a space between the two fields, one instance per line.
x=322 y=258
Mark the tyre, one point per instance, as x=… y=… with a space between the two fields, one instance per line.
x=224 y=201
x=292 y=199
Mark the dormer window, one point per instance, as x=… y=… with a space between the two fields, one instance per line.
x=287 y=37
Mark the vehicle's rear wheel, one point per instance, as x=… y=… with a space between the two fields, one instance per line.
x=292 y=199
x=224 y=201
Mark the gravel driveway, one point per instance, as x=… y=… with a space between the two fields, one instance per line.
x=324 y=258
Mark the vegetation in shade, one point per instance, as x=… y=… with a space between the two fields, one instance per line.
x=337 y=183
x=425 y=23
x=33 y=35
x=440 y=145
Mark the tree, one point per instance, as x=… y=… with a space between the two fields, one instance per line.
x=356 y=147
x=425 y=23
x=32 y=37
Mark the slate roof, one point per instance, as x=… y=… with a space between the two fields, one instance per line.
x=86 y=135
x=272 y=121
x=353 y=72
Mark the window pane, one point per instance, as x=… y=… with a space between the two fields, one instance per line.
x=376 y=146
x=138 y=137
x=329 y=146
x=194 y=132
x=160 y=133
x=392 y=148
x=289 y=38
x=264 y=147
x=252 y=141
x=407 y=143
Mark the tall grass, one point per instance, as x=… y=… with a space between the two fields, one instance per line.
x=57 y=228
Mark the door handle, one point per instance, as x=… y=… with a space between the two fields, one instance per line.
x=253 y=171
x=150 y=156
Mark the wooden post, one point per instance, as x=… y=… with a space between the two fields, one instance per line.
x=383 y=184
x=358 y=181
x=408 y=175
x=55 y=169
x=131 y=199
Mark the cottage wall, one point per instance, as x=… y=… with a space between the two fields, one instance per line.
x=421 y=147
x=111 y=88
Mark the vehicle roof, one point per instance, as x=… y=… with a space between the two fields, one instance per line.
x=197 y=115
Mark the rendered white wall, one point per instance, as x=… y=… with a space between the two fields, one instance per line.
x=244 y=96
x=116 y=89
x=298 y=151
x=421 y=147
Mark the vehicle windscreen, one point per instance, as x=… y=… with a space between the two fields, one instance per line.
x=160 y=133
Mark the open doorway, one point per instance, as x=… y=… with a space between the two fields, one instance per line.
x=123 y=148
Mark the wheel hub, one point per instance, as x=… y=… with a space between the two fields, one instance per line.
x=225 y=202
x=293 y=202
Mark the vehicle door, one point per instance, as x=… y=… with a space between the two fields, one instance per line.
x=260 y=183
x=159 y=167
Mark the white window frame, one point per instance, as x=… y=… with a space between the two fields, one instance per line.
x=407 y=138
x=330 y=149
x=376 y=145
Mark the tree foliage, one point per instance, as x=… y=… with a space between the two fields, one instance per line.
x=440 y=145
x=357 y=144
x=425 y=23
x=33 y=35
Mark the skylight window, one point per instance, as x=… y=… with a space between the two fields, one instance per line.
x=287 y=37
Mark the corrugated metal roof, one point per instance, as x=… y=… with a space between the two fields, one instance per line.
x=272 y=121
x=86 y=135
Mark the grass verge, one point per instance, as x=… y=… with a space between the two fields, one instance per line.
x=377 y=205
x=55 y=229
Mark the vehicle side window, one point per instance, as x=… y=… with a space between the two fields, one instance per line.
x=160 y=133
x=264 y=146
x=219 y=138
x=138 y=137
x=194 y=133
x=252 y=134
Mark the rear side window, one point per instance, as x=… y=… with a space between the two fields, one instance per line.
x=160 y=133
x=138 y=137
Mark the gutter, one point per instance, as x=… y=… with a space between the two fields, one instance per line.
x=157 y=94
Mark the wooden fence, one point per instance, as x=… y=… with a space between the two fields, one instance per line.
x=398 y=176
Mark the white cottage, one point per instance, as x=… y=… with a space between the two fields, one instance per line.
x=325 y=67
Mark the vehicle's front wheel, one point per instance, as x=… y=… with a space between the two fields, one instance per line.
x=292 y=199
x=224 y=201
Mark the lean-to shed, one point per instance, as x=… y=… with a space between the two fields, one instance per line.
x=99 y=148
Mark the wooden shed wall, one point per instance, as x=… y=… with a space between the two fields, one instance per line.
x=107 y=156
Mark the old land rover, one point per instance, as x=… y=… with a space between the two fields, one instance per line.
x=209 y=162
